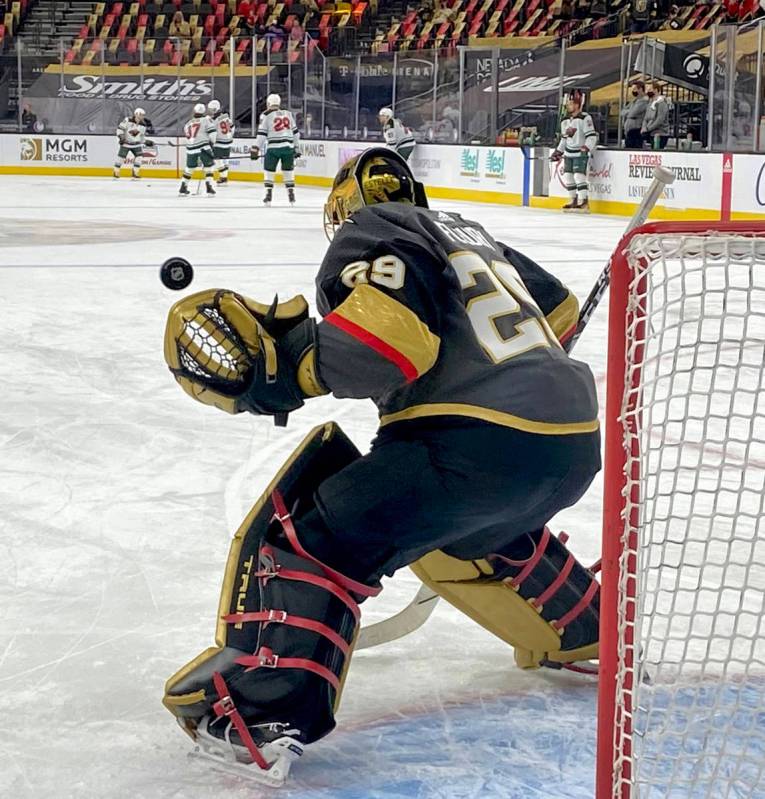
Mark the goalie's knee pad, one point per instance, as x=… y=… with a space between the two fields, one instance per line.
x=533 y=594
x=287 y=623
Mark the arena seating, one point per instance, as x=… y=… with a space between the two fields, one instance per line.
x=117 y=32
x=10 y=21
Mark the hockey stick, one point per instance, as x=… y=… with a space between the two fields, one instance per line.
x=661 y=179
x=418 y=611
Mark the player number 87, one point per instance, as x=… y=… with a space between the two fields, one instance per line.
x=507 y=297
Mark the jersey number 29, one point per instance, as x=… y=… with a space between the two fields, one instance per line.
x=508 y=297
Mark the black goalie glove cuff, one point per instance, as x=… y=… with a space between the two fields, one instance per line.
x=285 y=374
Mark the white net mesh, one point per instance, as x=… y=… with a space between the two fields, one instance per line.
x=694 y=427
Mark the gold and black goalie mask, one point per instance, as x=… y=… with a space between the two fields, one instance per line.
x=378 y=175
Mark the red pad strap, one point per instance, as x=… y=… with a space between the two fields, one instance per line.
x=552 y=589
x=266 y=659
x=531 y=563
x=322 y=582
x=226 y=707
x=282 y=617
x=289 y=530
x=579 y=608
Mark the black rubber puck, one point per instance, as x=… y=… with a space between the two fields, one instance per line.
x=176 y=273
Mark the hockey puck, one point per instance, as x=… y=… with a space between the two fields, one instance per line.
x=176 y=273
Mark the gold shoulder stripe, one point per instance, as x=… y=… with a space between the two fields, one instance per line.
x=490 y=415
x=562 y=318
x=391 y=323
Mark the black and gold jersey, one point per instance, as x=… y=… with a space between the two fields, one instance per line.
x=429 y=316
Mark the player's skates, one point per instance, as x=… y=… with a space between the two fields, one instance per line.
x=219 y=741
x=210 y=189
x=136 y=175
x=269 y=196
x=291 y=196
x=582 y=207
x=116 y=173
x=570 y=206
x=184 y=190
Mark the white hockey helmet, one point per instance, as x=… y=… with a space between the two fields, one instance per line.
x=273 y=101
x=213 y=107
x=199 y=110
x=384 y=114
x=139 y=112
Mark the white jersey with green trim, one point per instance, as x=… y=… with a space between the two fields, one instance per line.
x=200 y=133
x=130 y=132
x=577 y=134
x=397 y=135
x=277 y=128
x=224 y=127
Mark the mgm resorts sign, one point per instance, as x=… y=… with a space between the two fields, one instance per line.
x=132 y=88
x=57 y=149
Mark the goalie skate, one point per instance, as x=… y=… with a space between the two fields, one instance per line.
x=223 y=749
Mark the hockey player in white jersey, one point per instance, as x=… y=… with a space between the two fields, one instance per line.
x=279 y=138
x=200 y=133
x=224 y=138
x=131 y=135
x=577 y=143
x=397 y=137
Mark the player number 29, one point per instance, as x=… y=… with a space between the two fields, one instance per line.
x=508 y=297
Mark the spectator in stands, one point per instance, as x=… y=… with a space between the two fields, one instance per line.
x=673 y=19
x=244 y=8
x=655 y=128
x=275 y=31
x=633 y=115
x=299 y=10
x=582 y=9
x=28 y=119
x=566 y=11
x=179 y=27
x=641 y=15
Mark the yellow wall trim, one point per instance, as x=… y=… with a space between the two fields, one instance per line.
x=437 y=192
x=628 y=209
x=474 y=195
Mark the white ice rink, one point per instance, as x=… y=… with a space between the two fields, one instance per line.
x=118 y=497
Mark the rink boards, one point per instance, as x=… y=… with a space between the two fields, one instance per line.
x=707 y=186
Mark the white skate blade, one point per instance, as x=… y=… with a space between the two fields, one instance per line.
x=275 y=776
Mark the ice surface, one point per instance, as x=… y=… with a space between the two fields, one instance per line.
x=118 y=496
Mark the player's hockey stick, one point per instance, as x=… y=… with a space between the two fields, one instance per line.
x=418 y=611
x=661 y=179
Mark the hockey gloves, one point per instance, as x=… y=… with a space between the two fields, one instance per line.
x=237 y=355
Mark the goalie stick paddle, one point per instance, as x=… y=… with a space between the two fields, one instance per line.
x=411 y=618
x=419 y=610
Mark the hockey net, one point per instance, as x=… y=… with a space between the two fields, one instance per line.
x=682 y=682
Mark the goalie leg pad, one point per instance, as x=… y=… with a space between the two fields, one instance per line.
x=286 y=622
x=533 y=594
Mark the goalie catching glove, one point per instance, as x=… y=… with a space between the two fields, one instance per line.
x=237 y=354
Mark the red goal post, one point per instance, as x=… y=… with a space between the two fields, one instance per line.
x=683 y=554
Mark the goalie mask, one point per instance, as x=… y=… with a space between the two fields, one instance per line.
x=378 y=175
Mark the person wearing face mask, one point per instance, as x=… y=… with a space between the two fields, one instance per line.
x=655 y=127
x=633 y=115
